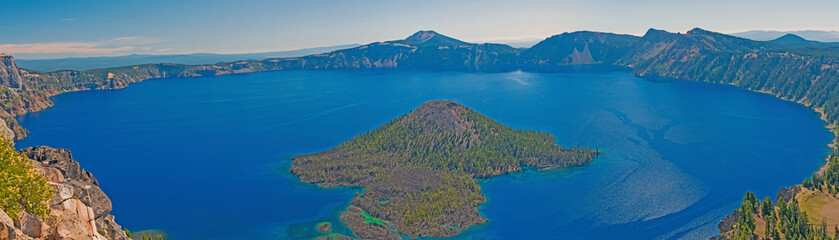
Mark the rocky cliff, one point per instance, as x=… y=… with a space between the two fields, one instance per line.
x=9 y=74
x=79 y=209
x=11 y=85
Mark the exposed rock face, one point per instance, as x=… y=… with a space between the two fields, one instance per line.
x=788 y=193
x=11 y=84
x=9 y=73
x=7 y=132
x=583 y=57
x=726 y=225
x=79 y=209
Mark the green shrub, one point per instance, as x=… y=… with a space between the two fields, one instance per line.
x=21 y=187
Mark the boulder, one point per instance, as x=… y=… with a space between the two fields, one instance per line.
x=8 y=229
x=30 y=225
x=788 y=193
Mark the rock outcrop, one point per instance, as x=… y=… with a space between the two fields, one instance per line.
x=726 y=225
x=788 y=193
x=9 y=72
x=79 y=209
x=11 y=84
x=7 y=132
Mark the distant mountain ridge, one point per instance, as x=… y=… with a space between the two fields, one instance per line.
x=766 y=35
x=87 y=63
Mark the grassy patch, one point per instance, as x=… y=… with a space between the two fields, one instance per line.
x=371 y=219
x=813 y=204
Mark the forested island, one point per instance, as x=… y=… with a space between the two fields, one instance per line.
x=418 y=171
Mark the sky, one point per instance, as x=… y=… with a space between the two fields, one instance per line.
x=54 y=29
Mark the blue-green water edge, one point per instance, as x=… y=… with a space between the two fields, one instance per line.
x=208 y=158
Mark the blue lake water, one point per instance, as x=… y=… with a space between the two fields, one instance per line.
x=207 y=158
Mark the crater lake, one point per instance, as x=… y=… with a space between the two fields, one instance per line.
x=208 y=158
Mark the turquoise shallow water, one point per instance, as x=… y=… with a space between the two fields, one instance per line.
x=207 y=158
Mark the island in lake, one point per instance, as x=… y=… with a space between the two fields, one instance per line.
x=418 y=171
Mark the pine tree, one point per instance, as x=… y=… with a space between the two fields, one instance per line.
x=744 y=230
x=768 y=207
x=835 y=232
x=21 y=187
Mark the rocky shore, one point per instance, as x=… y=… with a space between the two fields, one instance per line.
x=78 y=210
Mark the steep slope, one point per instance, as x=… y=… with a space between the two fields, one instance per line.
x=418 y=170
x=703 y=56
x=577 y=48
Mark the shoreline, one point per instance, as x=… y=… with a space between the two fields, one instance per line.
x=831 y=127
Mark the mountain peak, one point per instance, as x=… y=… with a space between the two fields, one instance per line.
x=422 y=36
x=699 y=31
x=432 y=38
x=653 y=31
x=790 y=38
x=444 y=114
x=655 y=34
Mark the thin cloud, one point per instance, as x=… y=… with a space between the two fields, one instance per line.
x=110 y=46
x=125 y=38
x=61 y=47
x=136 y=40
